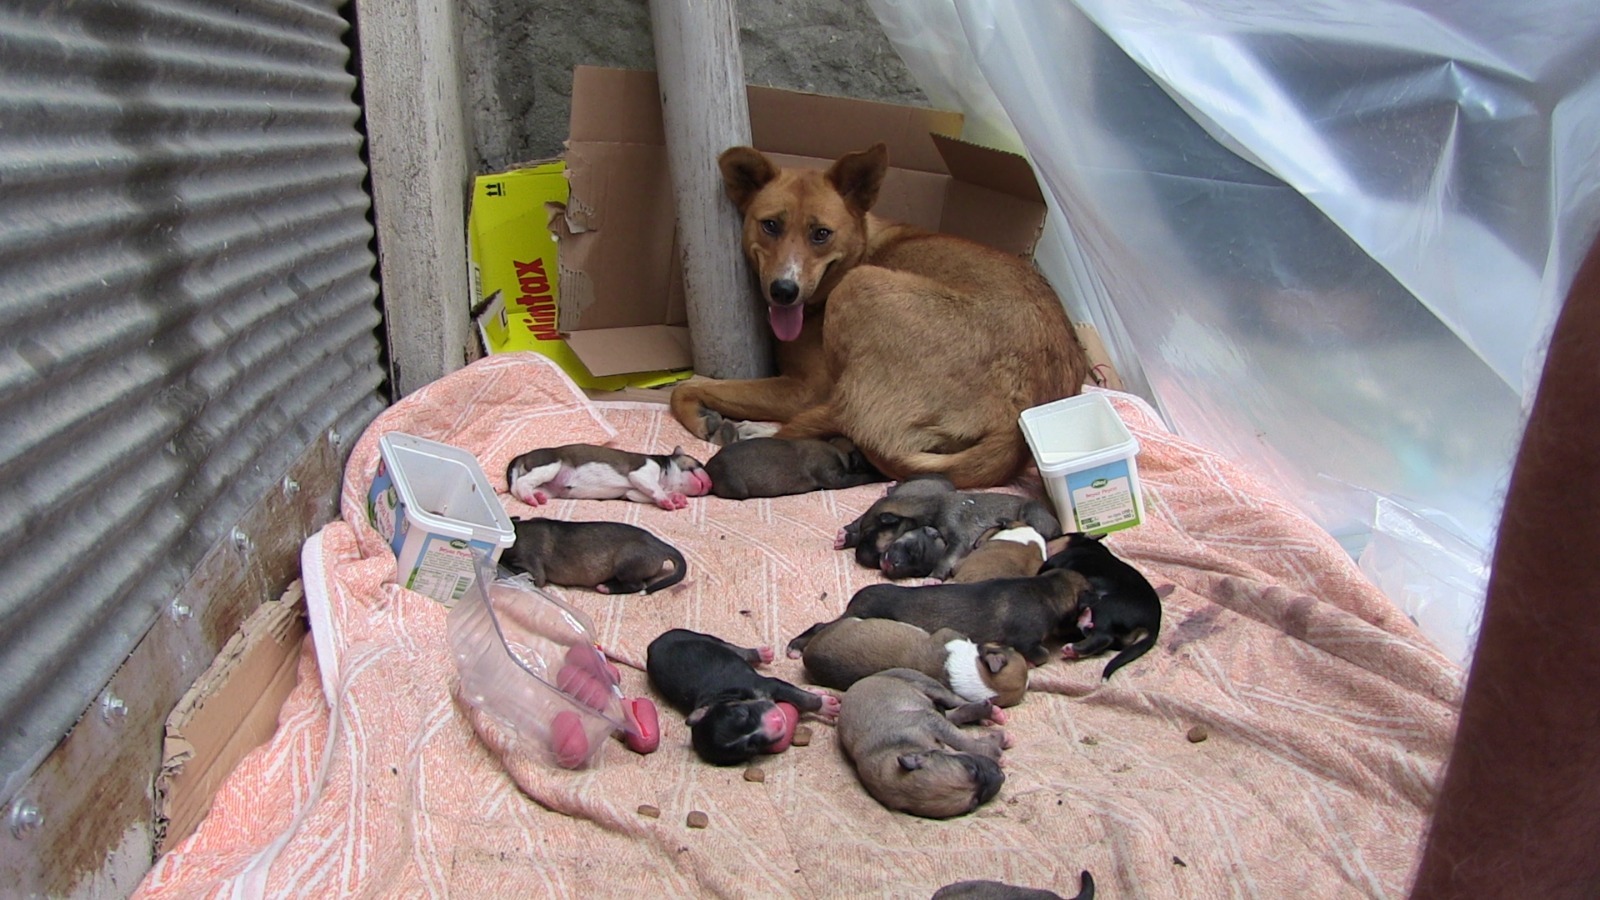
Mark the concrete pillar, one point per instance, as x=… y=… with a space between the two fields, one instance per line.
x=705 y=110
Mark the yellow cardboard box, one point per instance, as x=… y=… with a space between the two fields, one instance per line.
x=515 y=275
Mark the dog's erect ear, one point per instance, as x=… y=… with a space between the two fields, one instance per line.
x=697 y=715
x=745 y=171
x=911 y=761
x=857 y=176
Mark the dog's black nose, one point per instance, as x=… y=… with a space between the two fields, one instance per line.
x=784 y=291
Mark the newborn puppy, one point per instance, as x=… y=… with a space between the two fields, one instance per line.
x=774 y=467
x=1012 y=550
x=850 y=649
x=960 y=519
x=610 y=557
x=914 y=553
x=733 y=711
x=999 y=890
x=1121 y=610
x=1024 y=613
x=893 y=729
x=592 y=472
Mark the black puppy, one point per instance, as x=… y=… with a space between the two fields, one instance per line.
x=1025 y=613
x=732 y=709
x=958 y=519
x=777 y=467
x=1121 y=609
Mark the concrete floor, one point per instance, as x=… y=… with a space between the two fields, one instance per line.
x=519 y=57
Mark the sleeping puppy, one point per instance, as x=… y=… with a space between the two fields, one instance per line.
x=1121 y=610
x=999 y=890
x=774 y=467
x=593 y=472
x=733 y=711
x=959 y=518
x=907 y=750
x=609 y=557
x=1024 y=613
x=850 y=649
x=1012 y=550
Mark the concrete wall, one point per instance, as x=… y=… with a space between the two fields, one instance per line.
x=518 y=59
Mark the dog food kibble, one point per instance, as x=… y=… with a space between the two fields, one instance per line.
x=1198 y=734
x=649 y=812
x=802 y=735
x=756 y=774
x=698 y=819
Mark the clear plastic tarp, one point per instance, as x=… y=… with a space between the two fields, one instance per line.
x=1328 y=239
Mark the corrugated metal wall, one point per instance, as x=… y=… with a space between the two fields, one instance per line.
x=186 y=303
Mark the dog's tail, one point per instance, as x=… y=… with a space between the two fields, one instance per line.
x=1130 y=653
x=993 y=461
x=679 y=569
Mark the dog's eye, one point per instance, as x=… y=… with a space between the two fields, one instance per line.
x=821 y=235
x=772 y=227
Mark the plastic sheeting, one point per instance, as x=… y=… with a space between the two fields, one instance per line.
x=1326 y=238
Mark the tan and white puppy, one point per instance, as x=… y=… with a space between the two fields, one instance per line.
x=1014 y=550
x=850 y=649
x=900 y=730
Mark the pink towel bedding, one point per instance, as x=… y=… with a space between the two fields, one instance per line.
x=1328 y=715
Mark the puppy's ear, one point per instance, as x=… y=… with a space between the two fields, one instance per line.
x=912 y=761
x=994 y=658
x=697 y=715
x=745 y=171
x=857 y=176
x=887 y=519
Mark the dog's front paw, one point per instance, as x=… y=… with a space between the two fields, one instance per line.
x=672 y=501
x=765 y=655
x=996 y=715
x=747 y=430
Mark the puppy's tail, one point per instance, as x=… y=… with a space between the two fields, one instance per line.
x=1086 y=886
x=993 y=461
x=679 y=569
x=1130 y=653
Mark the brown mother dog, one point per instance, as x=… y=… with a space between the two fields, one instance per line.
x=922 y=348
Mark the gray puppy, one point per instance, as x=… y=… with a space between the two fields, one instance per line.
x=610 y=557
x=924 y=527
x=908 y=752
x=775 y=467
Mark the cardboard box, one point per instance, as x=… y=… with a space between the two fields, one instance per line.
x=513 y=261
x=621 y=307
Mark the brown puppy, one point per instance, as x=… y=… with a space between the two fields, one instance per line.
x=908 y=752
x=851 y=649
x=922 y=348
x=609 y=557
x=774 y=467
x=1013 y=550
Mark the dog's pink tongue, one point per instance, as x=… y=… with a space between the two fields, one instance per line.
x=786 y=320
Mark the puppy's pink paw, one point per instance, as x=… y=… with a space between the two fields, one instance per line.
x=1006 y=742
x=766 y=654
x=795 y=654
x=839 y=540
x=1068 y=653
x=673 y=501
x=997 y=715
x=830 y=706
x=600 y=588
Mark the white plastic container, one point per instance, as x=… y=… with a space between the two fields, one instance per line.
x=434 y=506
x=1089 y=462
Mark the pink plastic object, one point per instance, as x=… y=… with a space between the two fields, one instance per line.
x=530 y=662
x=791 y=718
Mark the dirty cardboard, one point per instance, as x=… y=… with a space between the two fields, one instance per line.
x=621 y=305
x=231 y=709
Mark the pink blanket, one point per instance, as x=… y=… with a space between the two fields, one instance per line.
x=1328 y=715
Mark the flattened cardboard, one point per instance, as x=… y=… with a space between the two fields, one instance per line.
x=619 y=260
x=231 y=709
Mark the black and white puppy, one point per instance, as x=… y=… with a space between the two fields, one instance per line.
x=1121 y=610
x=593 y=472
x=732 y=709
